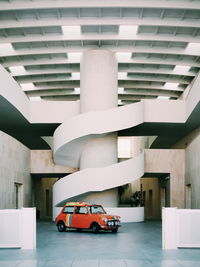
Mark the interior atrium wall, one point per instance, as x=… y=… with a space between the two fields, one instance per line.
x=44 y=197
x=15 y=179
x=42 y=162
x=193 y=167
x=151 y=201
x=170 y=161
x=191 y=144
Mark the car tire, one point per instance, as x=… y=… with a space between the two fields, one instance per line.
x=114 y=230
x=61 y=226
x=95 y=228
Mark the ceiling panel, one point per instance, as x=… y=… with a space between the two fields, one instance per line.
x=158 y=52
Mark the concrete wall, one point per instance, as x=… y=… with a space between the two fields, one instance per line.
x=191 y=144
x=14 y=168
x=42 y=162
x=44 y=197
x=166 y=161
x=193 y=167
x=169 y=161
x=150 y=186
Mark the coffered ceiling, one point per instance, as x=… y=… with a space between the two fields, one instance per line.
x=157 y=44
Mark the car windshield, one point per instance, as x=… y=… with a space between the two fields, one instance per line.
x=97 y=209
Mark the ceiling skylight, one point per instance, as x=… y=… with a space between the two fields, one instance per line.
x=128 y=29
x=120 y=90
x=163 y=97
x=71 y=30
x=35 y=98
x=27 y=86
x=74 y=56
x=6 y=47
x=171 y=85
x=182 y=68
x=193 y=45
x=123 y=56
x=76 y=91
x=17 y=69
x=122 y=75
x=75 y=76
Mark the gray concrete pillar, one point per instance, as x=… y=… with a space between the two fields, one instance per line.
x=99 y=91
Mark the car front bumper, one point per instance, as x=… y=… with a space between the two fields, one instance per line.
x=114 y=224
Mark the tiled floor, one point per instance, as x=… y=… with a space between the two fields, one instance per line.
x=135 y=245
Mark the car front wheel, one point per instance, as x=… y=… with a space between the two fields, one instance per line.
x=95 y=228
x=61 y=226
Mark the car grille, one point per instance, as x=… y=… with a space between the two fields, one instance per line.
x=113 y=223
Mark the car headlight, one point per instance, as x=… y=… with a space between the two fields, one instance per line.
x=104 y=219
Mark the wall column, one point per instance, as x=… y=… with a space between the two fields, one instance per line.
x=99 y=91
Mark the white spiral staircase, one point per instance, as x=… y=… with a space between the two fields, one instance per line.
x=72 y=135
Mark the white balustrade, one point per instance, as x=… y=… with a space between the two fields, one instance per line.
x=180 y=228
x=18 y=228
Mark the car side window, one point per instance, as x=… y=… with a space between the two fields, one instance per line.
x=80 y=210
x=96 y=209
x=68 y=210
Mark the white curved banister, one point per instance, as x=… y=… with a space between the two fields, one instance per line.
x=71 y=135
x=98 y=179
x=95 y=123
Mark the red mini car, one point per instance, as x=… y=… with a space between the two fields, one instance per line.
x=82 y=215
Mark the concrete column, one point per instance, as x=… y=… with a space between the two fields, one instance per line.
x=99 y=92
x=98 y=72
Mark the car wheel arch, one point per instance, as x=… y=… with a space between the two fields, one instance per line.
x=94 y=222
x=60 y=222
